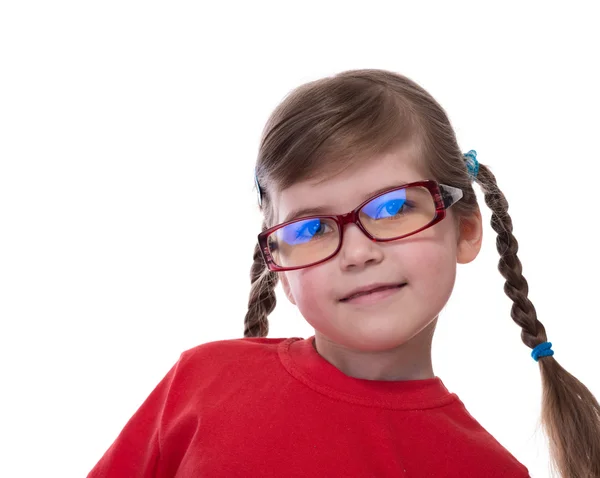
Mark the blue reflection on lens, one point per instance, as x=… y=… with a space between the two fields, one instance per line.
x=386 y=205
x=301 y=231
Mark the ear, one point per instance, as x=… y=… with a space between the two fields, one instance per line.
x=470 y=237
x=286 y=287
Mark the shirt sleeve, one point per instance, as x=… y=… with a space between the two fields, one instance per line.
x=136 y=451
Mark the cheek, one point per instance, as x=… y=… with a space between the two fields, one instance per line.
x=435 y=258
x=431 y=270
x=311 y=289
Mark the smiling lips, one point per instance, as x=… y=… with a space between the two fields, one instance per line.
x=370 y=289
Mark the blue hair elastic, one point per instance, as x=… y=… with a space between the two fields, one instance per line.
x=542 y=350
x=472 y=163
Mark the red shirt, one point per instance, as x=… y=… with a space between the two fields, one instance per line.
x=268 y=407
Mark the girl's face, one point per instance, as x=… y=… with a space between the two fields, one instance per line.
x=425 y=262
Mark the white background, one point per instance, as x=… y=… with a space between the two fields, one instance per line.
x=128 y=135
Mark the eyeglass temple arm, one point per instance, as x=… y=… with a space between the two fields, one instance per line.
x=450 y=195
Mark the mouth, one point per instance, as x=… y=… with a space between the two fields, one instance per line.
x=372 y=291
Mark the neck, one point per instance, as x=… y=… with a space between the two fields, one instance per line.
x=408 y=361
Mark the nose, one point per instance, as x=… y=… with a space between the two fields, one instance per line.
x=357 y=249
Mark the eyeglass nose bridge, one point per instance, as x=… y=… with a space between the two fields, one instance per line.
x=351 y=217
x=348 y=218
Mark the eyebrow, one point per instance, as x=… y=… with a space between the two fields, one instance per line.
x=309 y=211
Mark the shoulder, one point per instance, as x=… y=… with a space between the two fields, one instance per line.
x=490 y=454
x=203 y=373
x=229 y=353
x=223 y=348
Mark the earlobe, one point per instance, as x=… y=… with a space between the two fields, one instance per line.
x=286 y=287
x=470 y=238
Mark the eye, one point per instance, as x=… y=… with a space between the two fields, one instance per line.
x=391 y=208
x=394 y=204
x=311 y=228
x=386 y=205
x=304 y=231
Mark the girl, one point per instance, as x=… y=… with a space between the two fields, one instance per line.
x=368 y=206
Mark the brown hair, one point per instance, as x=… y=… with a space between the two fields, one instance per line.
x=325 y=126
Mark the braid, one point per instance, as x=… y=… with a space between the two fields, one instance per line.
x=262 y=299
x=570 y=412
x=516 y=287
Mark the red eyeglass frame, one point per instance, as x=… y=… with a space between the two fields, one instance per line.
x=443 y=195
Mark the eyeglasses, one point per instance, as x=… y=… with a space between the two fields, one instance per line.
x=391 y=215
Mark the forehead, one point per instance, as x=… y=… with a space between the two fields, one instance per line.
x=342 y=193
